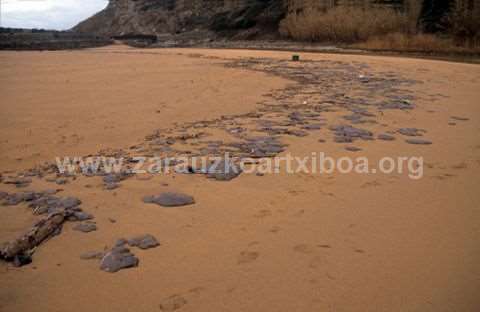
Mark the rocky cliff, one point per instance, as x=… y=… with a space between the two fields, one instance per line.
x=228 y=17
x=242 y=19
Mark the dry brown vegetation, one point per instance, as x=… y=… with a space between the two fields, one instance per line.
x=382 y=29
x=423 y=43
x=343 y=24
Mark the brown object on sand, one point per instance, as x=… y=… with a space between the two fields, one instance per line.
x=41 y=231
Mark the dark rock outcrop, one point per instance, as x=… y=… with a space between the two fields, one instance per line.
x=49 y=40
x=169 y=199
x=244 y=19
x=117 y=259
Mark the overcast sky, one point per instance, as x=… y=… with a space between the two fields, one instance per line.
x=48 y=14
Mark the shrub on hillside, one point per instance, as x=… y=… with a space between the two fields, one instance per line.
x=465 y=26
x=344 y=24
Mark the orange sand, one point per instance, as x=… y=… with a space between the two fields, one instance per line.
x=273 y=243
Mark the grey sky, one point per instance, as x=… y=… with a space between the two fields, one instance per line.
x=48 y=14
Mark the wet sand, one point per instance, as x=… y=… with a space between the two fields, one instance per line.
x=339 y=242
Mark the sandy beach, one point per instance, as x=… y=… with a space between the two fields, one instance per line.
x=276 y=242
